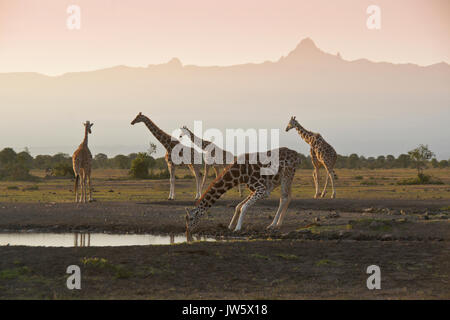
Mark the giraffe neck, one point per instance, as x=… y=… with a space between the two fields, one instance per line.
x=85 y=140
x=305 y=134
x=217 y=188
x=159 y=134
x=197 y=141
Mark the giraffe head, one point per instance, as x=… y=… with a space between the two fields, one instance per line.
x=139 y=118
x=88 y=126
x=292 y=123
x=193 y=218
x=184 y=132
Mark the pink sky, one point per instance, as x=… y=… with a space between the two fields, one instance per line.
x=34 y=36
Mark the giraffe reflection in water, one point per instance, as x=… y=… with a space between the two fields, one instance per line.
x=82 y=240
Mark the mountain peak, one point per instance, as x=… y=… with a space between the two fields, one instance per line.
x=175 y=62
x=306 y=44
x=306 y=50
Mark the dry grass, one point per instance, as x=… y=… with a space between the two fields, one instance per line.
x=114 y=185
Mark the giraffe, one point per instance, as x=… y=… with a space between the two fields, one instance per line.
x=322 y=154
x=169 y=144
x=82 y=165
x=259 y=185
x=210 y=153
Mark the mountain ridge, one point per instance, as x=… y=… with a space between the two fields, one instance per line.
x=305 y=52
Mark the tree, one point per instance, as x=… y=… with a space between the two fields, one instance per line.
x=403 y=160
x=101 y=160
x=152 y=149
x=139 y=166
x=420 y=156
x=7 y=157
x=353 y=160
x=122 y=162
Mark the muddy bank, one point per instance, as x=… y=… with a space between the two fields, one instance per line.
x=404 y=220
x=282 y=269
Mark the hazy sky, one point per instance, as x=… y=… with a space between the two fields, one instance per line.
x=34 y=35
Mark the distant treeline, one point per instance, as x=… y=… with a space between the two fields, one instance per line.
x=17 y=165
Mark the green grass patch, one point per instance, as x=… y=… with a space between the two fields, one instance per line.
x=420 y=179
x=288 y=256
x=318 y=229
x=372 y=224
x=369 y=183
x=14 y=273
x=31 y=188
x=118 y=271
x=12 y=188
x=325 y=262
x=259 y=256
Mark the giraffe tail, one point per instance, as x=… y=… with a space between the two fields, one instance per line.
x=335 y=175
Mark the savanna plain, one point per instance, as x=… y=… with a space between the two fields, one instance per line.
x=321 y=251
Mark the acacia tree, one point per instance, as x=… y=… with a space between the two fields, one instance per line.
x=420 y=156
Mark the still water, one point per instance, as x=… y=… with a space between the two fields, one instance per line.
x=90 y=239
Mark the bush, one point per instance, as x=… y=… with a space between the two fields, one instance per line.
x=164 y=174
x=16 y=172
x=63 y=170
x=139 y=167
x=420 y=179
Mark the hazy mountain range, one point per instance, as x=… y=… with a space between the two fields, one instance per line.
x=359 y=106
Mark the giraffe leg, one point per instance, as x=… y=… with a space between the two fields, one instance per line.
x=316 y=182
x=241 y=193
x=316 y=165
x=285 y=199
x=237 y=212
x=82 y=187
x=90 y=187
x=333 y=194
x=324 y=192
x=85 y=188
x=205 y=175
x=198 y=182
x=77 y=180
x=171 y=168
x=283 y=212
x=277 y=215
x=259 y=193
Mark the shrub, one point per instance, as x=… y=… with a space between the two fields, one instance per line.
x=139 y=167
x=164 y=174
x=16 y=172
x=420 y=179
x=63 y=170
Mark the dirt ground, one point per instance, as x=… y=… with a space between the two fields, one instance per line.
x=321 y=251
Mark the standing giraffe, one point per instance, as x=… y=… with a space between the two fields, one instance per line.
x=169 y=143
x=259 y=185
x=82 y=165
x=322 y=154
x=210 y=155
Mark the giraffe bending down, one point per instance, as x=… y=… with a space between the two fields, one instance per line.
x=169 y=144
x=322 y=154
x=210 y=155
x=259 y=185
x=82 y=165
